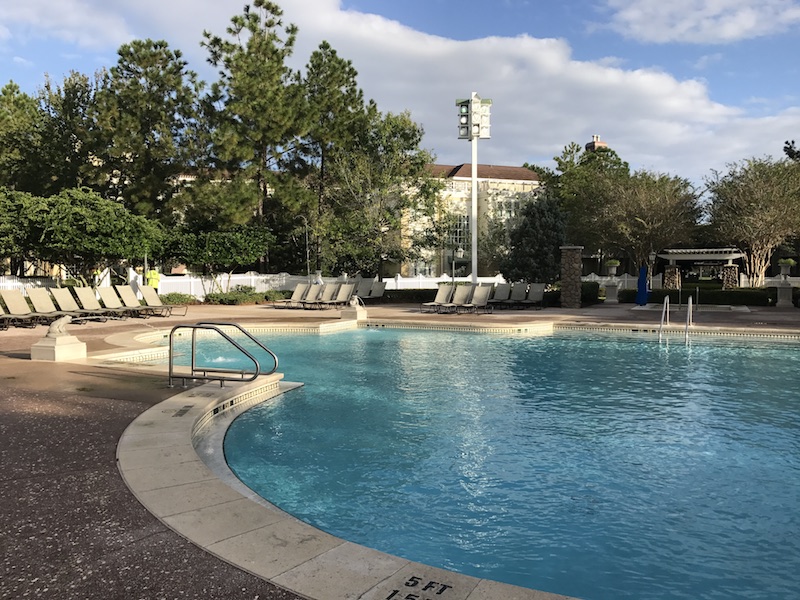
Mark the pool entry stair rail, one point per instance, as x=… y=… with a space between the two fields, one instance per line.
x=220 y=374
x=689 y=319
x=664 y=318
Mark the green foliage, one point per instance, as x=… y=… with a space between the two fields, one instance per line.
x=64 y=159
x=217 y=205
x=335 y=109
x=590 y=292
x=76 y=228
x=216 y=251
x=242 y=295
x=647 y=212
x=584 y=186
x=145 y=109
x=256 y=108
x=734 y=297
x=177 y=298
x=791 y=151
x=409 y=296
x=534 y=241
x=382 y=177
x=12 y=224
x=756 y=205
x=20 y=138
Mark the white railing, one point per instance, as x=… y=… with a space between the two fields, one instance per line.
x=11 y=282
x=200 y=286
x=775 y=281
x=624 y=281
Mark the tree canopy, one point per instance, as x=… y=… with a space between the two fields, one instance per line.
x=756 y=205
x=535 y=239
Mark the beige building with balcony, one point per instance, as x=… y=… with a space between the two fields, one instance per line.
x=498 y=198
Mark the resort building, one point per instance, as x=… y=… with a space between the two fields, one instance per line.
x=499 y=190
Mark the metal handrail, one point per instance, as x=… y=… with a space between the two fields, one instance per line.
x=689 y=320
x=207 y=373
x=664 y=317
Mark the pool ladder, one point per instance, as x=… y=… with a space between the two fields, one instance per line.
x=665 y=319
x=220 y=374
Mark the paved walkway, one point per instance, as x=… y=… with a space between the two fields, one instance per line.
x=69 y=526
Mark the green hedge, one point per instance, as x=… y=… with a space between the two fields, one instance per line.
x=177 y=298
x=415 y=296
x=734 y=297
x=243 y=295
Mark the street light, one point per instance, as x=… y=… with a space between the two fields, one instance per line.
x=473 y=123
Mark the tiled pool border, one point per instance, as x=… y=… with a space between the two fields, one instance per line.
x=159 y=457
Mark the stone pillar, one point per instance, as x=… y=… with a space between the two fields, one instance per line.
x=58 y=345
x=730 y=277
x=672 y=277
x=571 y=270
x=612 y=289
x=784 y=294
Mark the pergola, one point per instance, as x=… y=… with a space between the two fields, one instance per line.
x=700 y=254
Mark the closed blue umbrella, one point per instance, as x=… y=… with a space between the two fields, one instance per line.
x=641 y=288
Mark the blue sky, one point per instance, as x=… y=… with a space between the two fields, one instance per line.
x=679 y=87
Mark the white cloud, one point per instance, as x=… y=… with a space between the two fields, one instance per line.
x=22 y=62
x=705 y=61
x=85 y=23
x=702 y=21
x=543 y=97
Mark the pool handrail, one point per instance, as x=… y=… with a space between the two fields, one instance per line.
x=689 y=319
x=664 y=317
x=205 y=372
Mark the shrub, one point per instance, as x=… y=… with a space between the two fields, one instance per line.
x=590 y=292
x=415 y=296
x=735 y=297
x=177 y=298
x=242 y=294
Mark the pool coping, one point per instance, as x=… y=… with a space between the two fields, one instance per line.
x=159 y=461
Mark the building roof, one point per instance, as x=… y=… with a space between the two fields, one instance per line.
x=464 y=171
x=701 y=253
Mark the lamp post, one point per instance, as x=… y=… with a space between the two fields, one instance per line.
x=457 y=253
x=308 y=259
x=652 y=257
x=473 y=123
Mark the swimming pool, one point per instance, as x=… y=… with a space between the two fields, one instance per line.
x=590 y=466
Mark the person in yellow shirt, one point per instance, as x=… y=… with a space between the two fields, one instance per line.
x=153 y=278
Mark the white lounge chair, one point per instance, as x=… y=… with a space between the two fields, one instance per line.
x=461 y=296
x=297 y=295
x=443 y=295
x=151 y=298
x=86 y=296
x=480 y=300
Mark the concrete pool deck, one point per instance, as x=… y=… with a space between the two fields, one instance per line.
x=73 y=529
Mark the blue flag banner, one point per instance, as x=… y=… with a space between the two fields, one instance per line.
x=641 y=288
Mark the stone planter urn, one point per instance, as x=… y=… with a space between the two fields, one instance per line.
x=612 y=270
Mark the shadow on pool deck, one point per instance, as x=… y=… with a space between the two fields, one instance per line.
x=70 y=526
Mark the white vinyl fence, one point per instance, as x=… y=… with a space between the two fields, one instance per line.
x=200 y=286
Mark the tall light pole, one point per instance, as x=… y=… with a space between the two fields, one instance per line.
x=473 y=123
x=308 y=258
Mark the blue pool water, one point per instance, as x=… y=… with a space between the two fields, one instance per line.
x=598 y=467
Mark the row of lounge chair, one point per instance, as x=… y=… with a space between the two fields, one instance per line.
x=473 y=297
x=48 y=304
x=330 y=295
